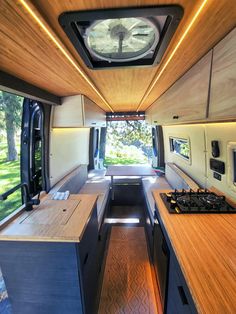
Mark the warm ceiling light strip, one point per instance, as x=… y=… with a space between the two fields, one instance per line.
x=65 y=53
x=172 y=54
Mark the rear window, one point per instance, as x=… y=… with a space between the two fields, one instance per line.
x=180 y=147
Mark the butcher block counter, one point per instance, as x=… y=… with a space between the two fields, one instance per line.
x=52 y=220
x=205 y=248
x=50 y=257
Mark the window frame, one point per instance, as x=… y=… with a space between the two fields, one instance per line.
x=231 y=165
x=182 y=138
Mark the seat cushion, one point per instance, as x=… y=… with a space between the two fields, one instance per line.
x=102 y=189
x=72 y=182
x=97 y=175
x=150 y=184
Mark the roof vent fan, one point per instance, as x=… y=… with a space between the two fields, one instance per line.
x=121 y=37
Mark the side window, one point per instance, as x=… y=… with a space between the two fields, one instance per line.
x=96 y=151
x=231 y=160
x=157 y=147
x=180 y=147
x=22 y=158
x=36 y=156
x=10 y=148
x=154 y=142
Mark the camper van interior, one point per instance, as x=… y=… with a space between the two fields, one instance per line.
x=117 y=156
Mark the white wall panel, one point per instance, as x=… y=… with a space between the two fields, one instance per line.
x=225 y=133
x=69 y=147
x=196 y=166
x=200 y=137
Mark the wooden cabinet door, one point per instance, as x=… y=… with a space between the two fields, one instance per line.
x=69 y=114
x=93 y=115
x=187 y=99
x=223 y=81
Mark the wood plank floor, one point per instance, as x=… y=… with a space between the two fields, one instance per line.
x=127 y=283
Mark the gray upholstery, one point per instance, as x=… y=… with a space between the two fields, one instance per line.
x=97 y=175
x=101 y=188
x=82 y=182
x=73 y=181
x=179 y=179
x=153 y=183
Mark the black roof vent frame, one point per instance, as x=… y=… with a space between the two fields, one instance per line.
x=166 y=19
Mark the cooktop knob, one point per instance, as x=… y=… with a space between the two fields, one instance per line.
x=173 y=204
x=168 y=197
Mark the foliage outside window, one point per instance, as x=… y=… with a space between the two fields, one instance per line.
x=180 y=147
x=128 y=142
x=10 y=133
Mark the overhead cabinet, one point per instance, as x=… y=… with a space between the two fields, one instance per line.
x=78 y=111
x=202 y=86
x=186 y=100
x=223 y=81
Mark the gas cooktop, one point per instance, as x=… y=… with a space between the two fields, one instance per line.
x=201 y=201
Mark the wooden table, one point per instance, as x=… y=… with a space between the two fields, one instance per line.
x=128 y=171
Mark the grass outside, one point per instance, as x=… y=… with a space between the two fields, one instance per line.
x=123 y=161
x=9 y=176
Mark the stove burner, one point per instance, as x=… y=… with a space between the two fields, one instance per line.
x=185 y=200
x=201 y=201
x=213 y=200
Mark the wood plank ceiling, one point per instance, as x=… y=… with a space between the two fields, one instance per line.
x=28 y=53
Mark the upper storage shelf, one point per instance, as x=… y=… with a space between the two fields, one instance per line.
x=223 y=81
x=78 y=111
x=193 y=98
x=186 y=99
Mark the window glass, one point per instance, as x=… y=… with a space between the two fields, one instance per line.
x=128 y=142
x=96 y=143
x=36 y=144
x=234 y=166
x=180 y=147
x=10 y=135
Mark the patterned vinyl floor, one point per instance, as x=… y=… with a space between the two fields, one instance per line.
x=127 y=284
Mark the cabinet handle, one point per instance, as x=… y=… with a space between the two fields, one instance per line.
x=182 y=295
x=86 y=258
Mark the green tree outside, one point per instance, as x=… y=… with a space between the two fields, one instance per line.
x=128 y=142
x=10 y=123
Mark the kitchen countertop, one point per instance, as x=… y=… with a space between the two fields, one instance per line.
x=52 y=220
x=205 y=247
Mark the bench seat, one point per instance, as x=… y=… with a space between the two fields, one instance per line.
x=102 y=188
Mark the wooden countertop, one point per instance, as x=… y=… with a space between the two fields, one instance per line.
x=52 y=220
x=205 y=246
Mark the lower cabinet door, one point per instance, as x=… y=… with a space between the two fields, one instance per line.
x=178 y=301
x=90 y=282
x=89 y=268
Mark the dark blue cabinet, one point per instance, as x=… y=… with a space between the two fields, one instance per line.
x=179 y=300
x=178 y=297
x=52 y=277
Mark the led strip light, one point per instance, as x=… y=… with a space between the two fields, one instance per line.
x=65 y=53
x=150 y=88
